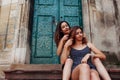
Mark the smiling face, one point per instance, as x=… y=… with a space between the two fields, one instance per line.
x=65 y=28
x=79 y=35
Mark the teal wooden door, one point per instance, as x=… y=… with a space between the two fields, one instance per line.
x=46 y=15
x=71 y=11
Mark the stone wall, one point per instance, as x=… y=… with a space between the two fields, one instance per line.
x=14 y=16
x=101 y=22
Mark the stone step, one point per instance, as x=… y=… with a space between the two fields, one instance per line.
x=114 y=73
x=34 y=72
x=44 y=72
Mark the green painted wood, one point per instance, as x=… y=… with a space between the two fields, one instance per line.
x=43 y=46
x=71 y=11
x=46 y=14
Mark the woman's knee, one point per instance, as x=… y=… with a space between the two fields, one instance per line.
x=69 y=61
x=84 y=67
x=94 y=74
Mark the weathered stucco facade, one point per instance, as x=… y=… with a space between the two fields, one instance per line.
x=14 y=16
x=14 y=31
x=101 y=21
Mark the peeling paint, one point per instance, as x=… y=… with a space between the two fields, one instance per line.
x=100 y=17
x=119 y=39
x=106 y=43
x=109 y=19
x=116 y=9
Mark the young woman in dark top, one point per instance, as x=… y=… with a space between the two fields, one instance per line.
x=80 y=52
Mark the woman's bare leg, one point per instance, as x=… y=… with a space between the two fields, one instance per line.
x=67 y=69
x=81 y=72
x=101 y=69
x=94 y=75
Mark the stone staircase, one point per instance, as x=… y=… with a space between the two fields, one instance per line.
x=44 y=72
x=34 y=72
x=114 y=73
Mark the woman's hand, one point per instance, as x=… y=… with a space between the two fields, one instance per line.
x=68 y=43
x=85 y=58
x=65 y=37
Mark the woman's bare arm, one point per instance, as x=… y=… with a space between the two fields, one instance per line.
x=60 y=47
x=66 y=51
x=98 y=53
x=61 y=44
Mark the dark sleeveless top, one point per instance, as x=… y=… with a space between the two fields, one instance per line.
x=77 y=55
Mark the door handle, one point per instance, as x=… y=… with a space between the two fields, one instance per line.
x=54 y=21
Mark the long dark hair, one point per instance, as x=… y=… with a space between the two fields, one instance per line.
x=58 y=32
x=73 y=33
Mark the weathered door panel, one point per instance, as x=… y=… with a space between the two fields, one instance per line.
x=43 y=47
x=46 y=14
x=71 y=11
